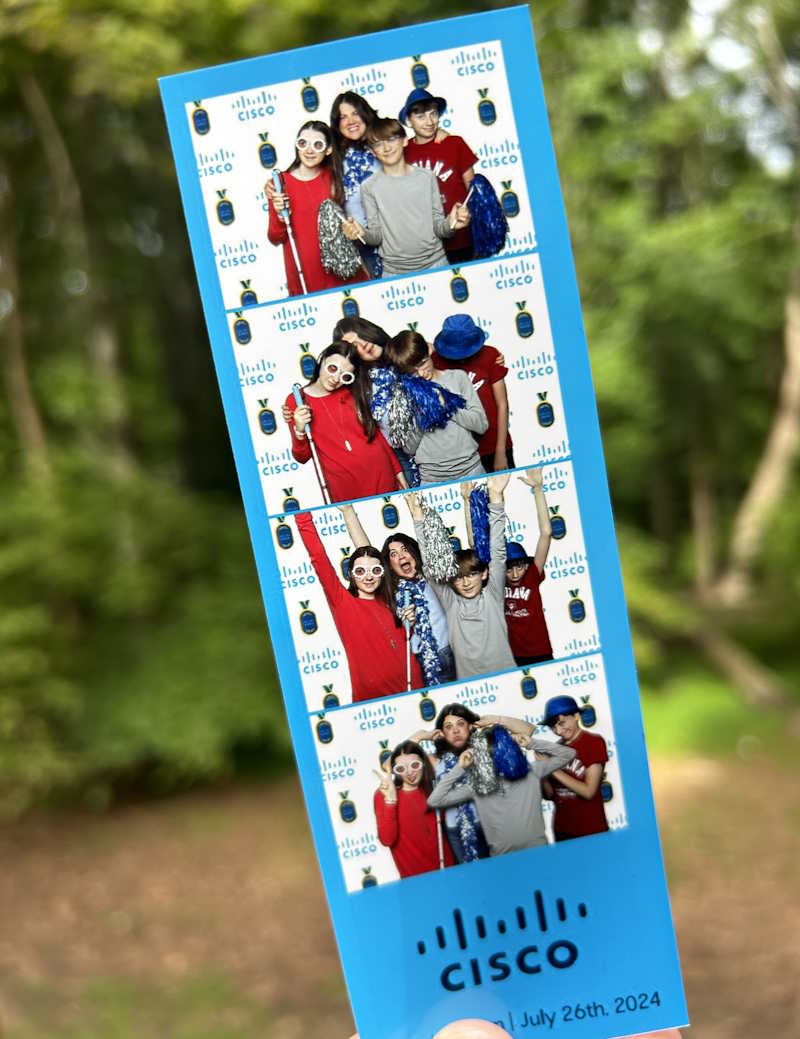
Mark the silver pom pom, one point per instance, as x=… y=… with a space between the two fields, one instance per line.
x=338 y=254
x=438 y=558
x=483 y=777
x=400 y=418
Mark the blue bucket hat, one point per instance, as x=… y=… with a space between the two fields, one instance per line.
x=558 y=705
x=420 y=96
x=459 y=338
x=515 y=553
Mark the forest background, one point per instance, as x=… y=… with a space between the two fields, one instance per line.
x=134 y=660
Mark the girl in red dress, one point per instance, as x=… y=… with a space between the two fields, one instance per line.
x=406 y=826
x=355 y=458
x=307 y=183
x=373 y=638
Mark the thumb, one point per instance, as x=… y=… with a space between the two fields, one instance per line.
x=471 y=1028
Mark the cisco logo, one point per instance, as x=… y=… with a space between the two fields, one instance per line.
x=523 y=955
x=289 y=319
x=555 y=479
x=582 y=673
x=254 y=106
x=448 y=500
x=480 y=695
x=376 y=717
x=365 y=83
x=516 y=275
x=494 y=156
x=271 y=464
x=355 y=847
x=236 y=255
x=298 y=576
x=261 y=373
x=573 y=565
x=218 y=162
x=315 y=663
x=404 y=297
x=339 y=770
x=475 y=62
x=536 y=367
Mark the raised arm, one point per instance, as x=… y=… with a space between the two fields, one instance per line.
x=466 y=489
x=331 y=585
x=445 y=793
x=495 y=487
x=354 y=528
x=586 y=787
x=557 y=756
x=535 y=480
x=516 y=726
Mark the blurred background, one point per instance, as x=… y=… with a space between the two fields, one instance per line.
x=154 y=852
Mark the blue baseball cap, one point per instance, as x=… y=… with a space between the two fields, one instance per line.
x=459 y=338
x=515 y=553
x=558 y=705
x=420 y=96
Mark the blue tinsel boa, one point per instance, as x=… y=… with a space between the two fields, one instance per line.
x=467 y=821
x=429 y=647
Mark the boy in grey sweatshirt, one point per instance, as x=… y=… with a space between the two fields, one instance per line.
x=403 y=207
x=450 y=451
x=474 y=600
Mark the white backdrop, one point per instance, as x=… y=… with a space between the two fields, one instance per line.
x=228 y=153
x=349 y=761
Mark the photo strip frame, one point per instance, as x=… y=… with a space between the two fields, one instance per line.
x=385 y=270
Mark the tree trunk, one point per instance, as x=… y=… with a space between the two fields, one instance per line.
x=759 y=685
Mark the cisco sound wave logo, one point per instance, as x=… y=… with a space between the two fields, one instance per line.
x=259 y=373
x=364 y=83
x=405 y=296
x=476 y=61
x=298 y=576
x=556 y=478
x=498 y=156
x=481 y=695
x=299 y=316
x=339 y=771
x=380 y=717
x=259 y=105
x=571 y=566
x=220 y=161
x=538 y=366
x=448 y=499
x=274 y=463
x=516 y=275
x=314 y=663
x=239 y=255
x=530 y=952
x=355 y=847
x=579 y=673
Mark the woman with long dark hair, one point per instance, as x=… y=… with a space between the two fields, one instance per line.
x=373 y=638
x=355 y=458
x=351 y=116
x=312 y=178
x=406 y=826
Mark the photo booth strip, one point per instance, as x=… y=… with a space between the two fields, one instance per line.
x=566 y=591
x=512 y=934
x=241 y=137
x=353 y=743
x=505 y=298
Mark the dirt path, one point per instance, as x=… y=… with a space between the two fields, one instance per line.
x=164 y=903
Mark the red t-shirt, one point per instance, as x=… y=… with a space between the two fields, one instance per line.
x=374 y=644
x=527 y=631
x=449 y=160
x=484 y=371
x=408 y=829
x=574 y=814
x=305 y=198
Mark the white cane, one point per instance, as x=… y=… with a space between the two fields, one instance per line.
x=285 y=215
x=439 y=838
x=407 y=626
x=298 y=399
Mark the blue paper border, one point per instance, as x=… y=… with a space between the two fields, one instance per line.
x=626 y=942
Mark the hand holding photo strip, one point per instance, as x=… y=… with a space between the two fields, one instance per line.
x=417 y=445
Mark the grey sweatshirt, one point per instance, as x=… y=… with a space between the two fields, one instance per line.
x=511 y=817
x=451 y=452
x=406 y=220
x=478 y=633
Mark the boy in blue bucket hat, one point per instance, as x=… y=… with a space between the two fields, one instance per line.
x=461 y=345
x=576 y=788
x=449 y=157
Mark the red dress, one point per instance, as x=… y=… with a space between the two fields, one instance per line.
x=374 y=645
x=408 y=830
x=353 y=466
x=305 y=198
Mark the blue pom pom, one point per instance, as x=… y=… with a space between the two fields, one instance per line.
x=433 y=405
x=479 y=517
x=489 y=225
x=508 y=758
